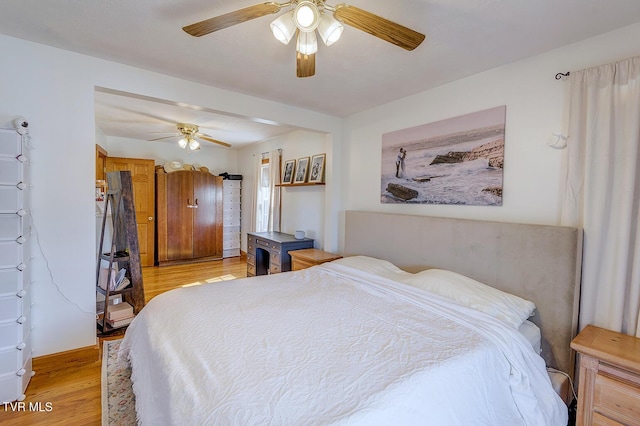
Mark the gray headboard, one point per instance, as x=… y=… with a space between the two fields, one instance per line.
x=536 y=262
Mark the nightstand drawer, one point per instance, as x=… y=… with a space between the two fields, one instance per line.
x=600 y=420
x=617 y=399
x=306 y=258
x=299 y=264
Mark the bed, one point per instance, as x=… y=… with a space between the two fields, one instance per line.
x=355 y=341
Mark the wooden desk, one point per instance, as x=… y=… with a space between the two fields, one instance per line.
x=268 y=252
x=301 y=259
x=609 y=390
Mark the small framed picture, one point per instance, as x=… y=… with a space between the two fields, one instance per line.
x=287 y=171
x=317 y=168
x=302 y=170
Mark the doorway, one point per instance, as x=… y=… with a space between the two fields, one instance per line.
x=143 y=179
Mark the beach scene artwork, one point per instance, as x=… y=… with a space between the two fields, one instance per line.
x=454 y=161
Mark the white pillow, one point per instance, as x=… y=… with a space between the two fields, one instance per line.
x=374 y=266
x=506 y=307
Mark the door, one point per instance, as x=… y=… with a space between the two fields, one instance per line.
x=207 y=235
x=180 y=204
x=143 y=180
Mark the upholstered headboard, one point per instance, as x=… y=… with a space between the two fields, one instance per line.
x=536 y=262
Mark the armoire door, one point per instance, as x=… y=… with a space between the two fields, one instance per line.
x=207 y=219
x=180 y=204
x=143 y=180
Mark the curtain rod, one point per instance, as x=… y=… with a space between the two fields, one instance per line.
x=264 y=153
x=279 y=150
x=560 y=75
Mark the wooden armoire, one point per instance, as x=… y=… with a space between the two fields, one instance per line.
x=188 y=216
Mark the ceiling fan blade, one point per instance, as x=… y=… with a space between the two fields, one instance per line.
x=379 y=27
x=305 y=64
x=232 y=18
x=210 y=139
x=165 y=137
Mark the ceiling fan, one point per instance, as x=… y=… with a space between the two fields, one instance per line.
x=190 y=137
x=306 y=17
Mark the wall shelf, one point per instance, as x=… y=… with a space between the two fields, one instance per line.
x=284 y=185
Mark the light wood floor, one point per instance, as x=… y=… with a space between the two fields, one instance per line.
x=66 y=387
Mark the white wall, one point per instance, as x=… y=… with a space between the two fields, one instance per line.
x=54 y=90
x=533 y=172
x=303 y=208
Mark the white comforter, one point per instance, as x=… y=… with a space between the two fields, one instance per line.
x=330 y=345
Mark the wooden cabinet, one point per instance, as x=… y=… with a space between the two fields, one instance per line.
x=302 y=259
x=268 y=252
x=189 y=216
x=609 y=389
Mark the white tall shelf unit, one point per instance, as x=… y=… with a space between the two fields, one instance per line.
x=231 y=195
x=15 y=239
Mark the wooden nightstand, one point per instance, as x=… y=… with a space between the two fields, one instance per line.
x=609 y=390
x=301 y=259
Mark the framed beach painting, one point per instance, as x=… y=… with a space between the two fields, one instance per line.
x=287 y=171
x=302 y=170
x=454 y=161
x=317 y=168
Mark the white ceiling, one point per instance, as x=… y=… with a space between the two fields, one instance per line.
x=463 y=37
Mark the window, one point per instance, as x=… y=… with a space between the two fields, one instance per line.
x=264 y=196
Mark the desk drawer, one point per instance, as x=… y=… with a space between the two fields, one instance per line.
x=275 y=268
x=268 y=244
x=251 y=270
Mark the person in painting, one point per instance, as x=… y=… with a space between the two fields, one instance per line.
x=315 y=169
x=400 y=163
x=301 y=173
x=288 y=170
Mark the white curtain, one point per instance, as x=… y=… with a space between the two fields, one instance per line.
x=603 y=191
x=263 y=202
x=257 y=162
x=274 y=201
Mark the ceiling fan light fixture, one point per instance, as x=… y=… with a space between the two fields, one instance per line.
x=284 y=28
x=193 y=144
x=182 y=143
x=307 y=43
x=306 y=16
x=330 y=29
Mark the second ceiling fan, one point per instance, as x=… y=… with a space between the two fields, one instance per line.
x=307 y=17
x=189 y=137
